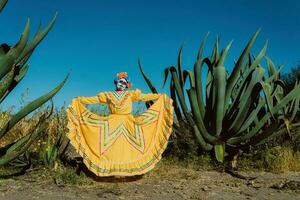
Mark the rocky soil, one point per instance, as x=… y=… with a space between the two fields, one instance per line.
x=164 y=183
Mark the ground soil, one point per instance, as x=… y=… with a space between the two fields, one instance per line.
x=164 y=183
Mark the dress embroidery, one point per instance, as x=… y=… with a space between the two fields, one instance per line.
x=118 y=99
x=120 y=144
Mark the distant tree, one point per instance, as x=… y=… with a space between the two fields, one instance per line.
x=291 y=77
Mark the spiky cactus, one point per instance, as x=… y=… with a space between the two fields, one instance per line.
x=13 y=68
x=231 y=112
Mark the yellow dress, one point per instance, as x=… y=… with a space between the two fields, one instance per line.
x=120 y=144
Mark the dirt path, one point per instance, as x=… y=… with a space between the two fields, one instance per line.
x=162 y=183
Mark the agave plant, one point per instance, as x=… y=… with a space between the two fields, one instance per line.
x=57 y=142
x=13 y=67
x=49 y=154
x=231 y=112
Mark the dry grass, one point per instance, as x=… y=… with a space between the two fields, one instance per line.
x=181 y=168
x=282 y=159
x=275 y=159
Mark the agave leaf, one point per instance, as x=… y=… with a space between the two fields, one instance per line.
x=197 y=116
x=30 y=107
x=198 y=119
x=215 y=53
x=204 y=145
x=267 y=116
x=190 y=74
x=166 y=75
x=224 y=54
x=19 y=147
x=4 y=48
x=219 y=91
x=245 y=103
x=179 y=92
x=178 y=89
x=200 y=51
x=247 y=74
x=266 y=88
x=251 y=117
x=179 y=67
x=261 y=137
x=147 y=79
x=16 y=80
x=149 y=83
x=240 y=62
x=7 y=61
x=175 y=102
x=210 y=102
x=243 y=92
x=237 y=68
x=277 y=85
x=198 y=77
x=209 y=78
x=198 y=86
x=295 y=109
x=2 y=4
x=219 y=152
x=42 y=120
x=271 y=67
x=22 y=73
x=219 y=85
x=261 y=54
x=39 y=36
x=6 y=83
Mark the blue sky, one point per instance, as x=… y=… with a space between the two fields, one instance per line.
x=95 y=39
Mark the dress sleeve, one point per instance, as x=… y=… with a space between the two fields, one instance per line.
x=137 y=95
x=100 y=98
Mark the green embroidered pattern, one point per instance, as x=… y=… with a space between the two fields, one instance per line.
x=133 y=138
x=108 y=137
x=136 y=138
x=118 y=96
x=148 y=117
x=118 y=100
x=92 y=165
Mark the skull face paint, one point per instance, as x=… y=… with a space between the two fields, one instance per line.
x=121 y=84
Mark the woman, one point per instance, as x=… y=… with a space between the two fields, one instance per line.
x=120 y=144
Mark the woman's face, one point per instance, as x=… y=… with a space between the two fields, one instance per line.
x=121 y=84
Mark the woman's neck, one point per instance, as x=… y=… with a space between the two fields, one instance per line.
x=119 y=91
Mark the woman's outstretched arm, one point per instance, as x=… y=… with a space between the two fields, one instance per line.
x=100 y=98
x=139 y=96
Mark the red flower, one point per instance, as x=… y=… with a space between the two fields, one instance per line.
x=129 y=85
x=122 y=75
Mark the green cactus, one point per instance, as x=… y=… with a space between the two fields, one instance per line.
x=236 y=110
x=13 y=67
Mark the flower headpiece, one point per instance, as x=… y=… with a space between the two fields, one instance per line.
x=124 y=75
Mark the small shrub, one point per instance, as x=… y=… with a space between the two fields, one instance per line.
x=251 y=163
x=281 y=159
x=68 y=176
